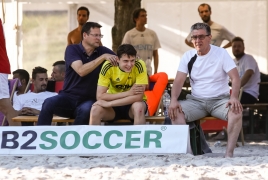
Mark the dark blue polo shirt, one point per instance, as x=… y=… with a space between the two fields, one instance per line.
x=75 y=86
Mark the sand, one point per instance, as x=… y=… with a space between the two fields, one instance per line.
x=250 y=162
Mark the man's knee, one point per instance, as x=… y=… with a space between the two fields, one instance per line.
x=180 y=118
x=49 y=103
x=46 y=104
x=96 y=114
x=96 y=111
x=138 y=108
x=234 y=116
x=85 y=107
x=82 y=113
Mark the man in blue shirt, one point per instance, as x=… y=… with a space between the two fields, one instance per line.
x=83 y=65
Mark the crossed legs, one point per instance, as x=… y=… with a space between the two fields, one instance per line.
x=136 y=112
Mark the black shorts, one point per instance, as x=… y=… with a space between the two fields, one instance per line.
x=248 y=99
x=121 y=112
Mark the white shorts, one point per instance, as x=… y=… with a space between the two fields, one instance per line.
x=4 y=90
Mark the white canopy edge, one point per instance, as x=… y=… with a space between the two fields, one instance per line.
x=62 y=1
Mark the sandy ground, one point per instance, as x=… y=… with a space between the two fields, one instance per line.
x=250 y=162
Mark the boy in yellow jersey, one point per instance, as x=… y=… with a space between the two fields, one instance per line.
x=120 y=92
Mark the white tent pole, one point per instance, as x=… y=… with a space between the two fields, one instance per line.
x=17 y=33
x=72 y=16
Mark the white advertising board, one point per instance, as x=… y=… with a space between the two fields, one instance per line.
x=94 y=140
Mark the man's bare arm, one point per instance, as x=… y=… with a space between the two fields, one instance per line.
x=177 y=85
x=175 y=92
x=128 y=100
x=233 y=74
x=233 y=102
x=229 y=44
x=246 y=77
x=69 y=39
x=84 y=69
x=156 y=60
x=103 y=95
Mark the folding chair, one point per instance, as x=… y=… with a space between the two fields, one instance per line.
x=28 y=87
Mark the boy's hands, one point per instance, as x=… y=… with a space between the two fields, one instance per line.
x=103 y=103
x=29 y=111
x=136 y=89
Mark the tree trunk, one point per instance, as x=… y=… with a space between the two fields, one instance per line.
x=123 y=19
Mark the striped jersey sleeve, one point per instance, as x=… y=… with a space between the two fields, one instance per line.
x=141 y=72
x=105 y=75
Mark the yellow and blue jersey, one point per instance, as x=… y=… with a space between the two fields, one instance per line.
x=119 y=81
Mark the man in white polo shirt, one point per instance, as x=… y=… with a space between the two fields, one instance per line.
x=248 y=72
x=209 y=68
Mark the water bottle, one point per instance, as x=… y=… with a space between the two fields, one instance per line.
x=166 y=102
x=148 y=63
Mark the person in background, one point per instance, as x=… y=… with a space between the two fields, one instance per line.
x=31 y=103
x=248 y=71
x=74 y=37
x=144 y=40
x=24 y=78
x=58 y=71
x=218 y=32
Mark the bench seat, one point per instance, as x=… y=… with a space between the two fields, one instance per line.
x=150 y=119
